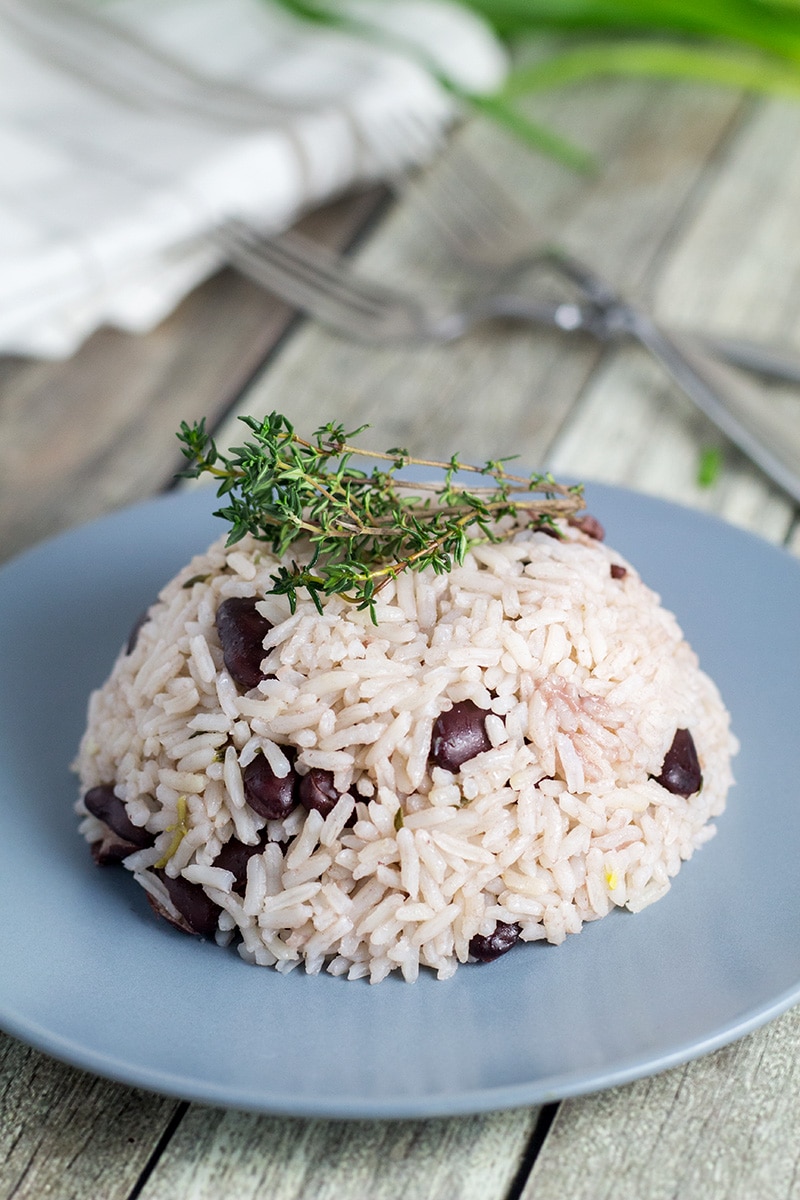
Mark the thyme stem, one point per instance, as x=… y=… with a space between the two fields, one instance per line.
x=361 y=528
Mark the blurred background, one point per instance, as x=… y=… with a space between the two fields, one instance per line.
x=211 y=208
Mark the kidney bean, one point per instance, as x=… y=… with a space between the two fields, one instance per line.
x=552 y=531
x=199 y=914
x=458 y=735
x=588 y=525
x=234 y=856
x=317 y=792
x=110 y=849
x=242 y=630
x=486 y=948
x=269 y=796
x=680 y=772
x=103 y=803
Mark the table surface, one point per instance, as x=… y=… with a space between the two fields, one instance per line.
x=694 y=211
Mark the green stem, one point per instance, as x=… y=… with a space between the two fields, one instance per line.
x=650 y=59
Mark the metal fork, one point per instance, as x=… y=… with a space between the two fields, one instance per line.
x=488 y=231
x=101 y=53
x=478 y=218
x=323 y=283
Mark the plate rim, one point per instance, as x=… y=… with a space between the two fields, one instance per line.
x=463 y=1102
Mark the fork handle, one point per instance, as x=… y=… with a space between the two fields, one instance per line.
x=772 y=362
x=710 y=402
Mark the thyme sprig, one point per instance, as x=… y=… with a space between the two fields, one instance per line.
x=359 y=528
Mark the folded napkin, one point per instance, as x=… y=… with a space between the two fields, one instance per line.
x=106 y=204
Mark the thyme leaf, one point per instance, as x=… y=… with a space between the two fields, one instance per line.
x=356 y=527
x=709 y=467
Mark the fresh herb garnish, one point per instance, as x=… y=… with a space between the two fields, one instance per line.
x=709 y=467
x=360 y=528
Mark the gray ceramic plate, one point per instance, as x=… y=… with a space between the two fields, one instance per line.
x=88 y=975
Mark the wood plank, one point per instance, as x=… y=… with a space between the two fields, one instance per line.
x=726 y=1126
x=510 y=387
x=218 y=1154
x=625 y=423
x=68 y=1134
x=633 y=428
x=501 y=390
x=88 y=435
x=734 y=265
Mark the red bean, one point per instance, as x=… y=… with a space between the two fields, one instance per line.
x=458 y=735
x=588 y=525
x=269 y=796
x=111 y=849
x=200 y=914
x=552 y=531
x=618 y=571
x=102 y=802
x=234 y=856
x=680 y=772
x=486 y=948
x=242 y=630
x=317 y=792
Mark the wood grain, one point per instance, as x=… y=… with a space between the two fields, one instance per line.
x=633 y=428
x=216 y=1154
x=733 y=265
x=88 y=435
x=70 y=1135
x=693 y=211
x=508 y=386
x=726 y=1126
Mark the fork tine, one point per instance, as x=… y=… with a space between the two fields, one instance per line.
x=406 y=139
x=321 y=283
x=325 y=272
x=481 y=222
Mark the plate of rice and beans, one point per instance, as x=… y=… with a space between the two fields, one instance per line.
x=470 y=844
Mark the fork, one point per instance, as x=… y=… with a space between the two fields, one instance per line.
x=488 y=231
x=323 y=284
x=100 y=52
x=475 y=214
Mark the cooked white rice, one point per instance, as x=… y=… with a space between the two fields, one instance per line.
x=584 y=679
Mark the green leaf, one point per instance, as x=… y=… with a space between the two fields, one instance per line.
x=740 y=69
x=353 y=530
x=744 y=44
x=709 y=467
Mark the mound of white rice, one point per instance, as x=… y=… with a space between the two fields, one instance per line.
x=582 y=679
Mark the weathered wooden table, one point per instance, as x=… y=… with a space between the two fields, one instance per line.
x=695 y=212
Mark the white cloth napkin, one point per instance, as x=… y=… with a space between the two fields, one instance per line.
x=105 y=207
